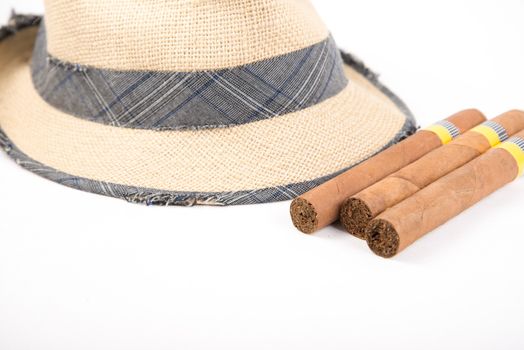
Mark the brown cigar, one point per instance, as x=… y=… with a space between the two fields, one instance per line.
x=356 y=212
x=401 y=225
x=320 y=206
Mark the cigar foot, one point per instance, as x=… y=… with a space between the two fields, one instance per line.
x=355 y=216
x=304 y=215
x=382 y=238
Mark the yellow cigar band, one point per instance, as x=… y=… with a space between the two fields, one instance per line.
x=488 y=132
x=516 y=151
x=442 y=132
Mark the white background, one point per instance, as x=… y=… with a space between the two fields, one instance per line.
x=81 y=271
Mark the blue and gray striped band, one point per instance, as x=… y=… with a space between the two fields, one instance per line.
x=519 y=141
x=190 y=100
x=453 y=130
x=499 y=129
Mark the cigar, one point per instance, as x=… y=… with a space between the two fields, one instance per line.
x=356 y=212
x=320 y=206
x=401 y=225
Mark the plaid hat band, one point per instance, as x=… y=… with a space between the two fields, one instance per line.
x=190 y=100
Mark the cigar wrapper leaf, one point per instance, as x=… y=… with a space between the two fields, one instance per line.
x=321 y=206
x=400 y=226
x=357 y=211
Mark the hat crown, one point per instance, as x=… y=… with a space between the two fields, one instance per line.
x=178 y=35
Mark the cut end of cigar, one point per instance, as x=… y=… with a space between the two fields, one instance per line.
x=382 y=238
x=304 y=215
x=355 y=216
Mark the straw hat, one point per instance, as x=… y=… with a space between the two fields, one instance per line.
x=213 y=102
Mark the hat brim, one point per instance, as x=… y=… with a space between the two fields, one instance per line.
x=263 y=161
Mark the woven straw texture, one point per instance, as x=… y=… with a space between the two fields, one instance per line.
x=179 y=35
x=297 y=147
